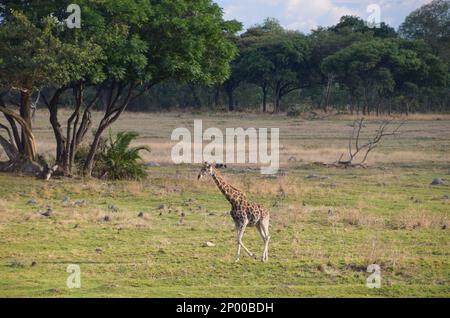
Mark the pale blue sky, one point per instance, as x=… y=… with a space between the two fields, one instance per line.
x=304 y=15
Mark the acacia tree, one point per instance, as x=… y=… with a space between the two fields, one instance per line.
x=377 y=70
x=32 y=58
x=430 y=23
x=184 y=40
x=278 y=61
x=67 y=60
x=133 y=45
x=251 y=65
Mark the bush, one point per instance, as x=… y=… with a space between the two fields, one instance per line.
x=297 y=110
x=115 y=159
x=293 y=112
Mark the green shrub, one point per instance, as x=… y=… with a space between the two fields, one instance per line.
x=115 y=159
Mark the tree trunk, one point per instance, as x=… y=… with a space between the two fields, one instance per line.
x=28 y=142
x=277 y=97
x=15 y=131
x=90 y=159
x=216 y=96
x=56 y=126
x=112 y=113
x=230 y=100
x=67 y=144
x=197 y=100
x=72 y=125
x=328 y=90
x=9 y=148
x=264 y=101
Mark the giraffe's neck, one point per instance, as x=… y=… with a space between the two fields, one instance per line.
x=230 y=192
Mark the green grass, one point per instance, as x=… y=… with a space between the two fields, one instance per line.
x=323 y=235
x=374 y=218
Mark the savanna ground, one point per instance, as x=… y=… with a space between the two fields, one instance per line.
x=330 y=226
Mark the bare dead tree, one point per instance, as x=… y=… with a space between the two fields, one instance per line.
x=357 y=149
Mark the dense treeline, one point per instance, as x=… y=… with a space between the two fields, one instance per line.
x=162 y=54
x=348 y=67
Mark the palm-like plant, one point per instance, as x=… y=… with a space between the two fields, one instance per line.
x=120 y=161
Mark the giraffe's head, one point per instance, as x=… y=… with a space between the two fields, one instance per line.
x=208 y=169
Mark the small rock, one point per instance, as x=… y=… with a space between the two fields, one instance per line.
x=209 y=244
x=15 y=264
x=316 y=177
x=32 y=201
x=162 y=207
x=106 y=218
x=55 y=290
x=48 y=213
x=66 y=199
x=79 y=202
x=33 y=263
x=113 y=208
x=141 y=215
x=437 y=181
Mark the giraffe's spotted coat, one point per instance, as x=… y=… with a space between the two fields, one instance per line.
x=243 y=211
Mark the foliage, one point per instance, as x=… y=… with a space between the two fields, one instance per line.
x=378 y=68
x=349 y=67
x=430 y=23
x=115 y=159
x=122 y=49
x=34 y=57
x=119 y=161
x=275 y=58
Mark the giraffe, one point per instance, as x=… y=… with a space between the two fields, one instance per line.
x=243 y=211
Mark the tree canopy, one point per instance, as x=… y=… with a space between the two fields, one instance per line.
x=159 y=54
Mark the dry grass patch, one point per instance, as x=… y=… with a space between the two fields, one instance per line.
x=421 y=220
x=353 y=217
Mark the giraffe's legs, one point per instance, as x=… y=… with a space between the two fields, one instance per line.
x=240 y=229
x=238 y=253
x=263 y=229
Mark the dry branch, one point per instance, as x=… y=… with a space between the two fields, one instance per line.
x=357 y=149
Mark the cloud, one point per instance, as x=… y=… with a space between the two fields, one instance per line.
x=309 y=14
x=305 y=15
